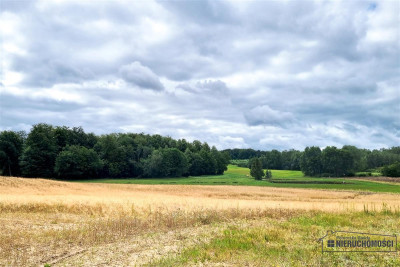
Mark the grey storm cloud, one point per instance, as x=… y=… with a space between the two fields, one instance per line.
x=265 y=115
x=136 y=73
x=261 y=74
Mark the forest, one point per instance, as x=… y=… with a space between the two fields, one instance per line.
x=328 y=162
x=70 y=153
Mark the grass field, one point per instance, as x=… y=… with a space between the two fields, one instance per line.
x=240 y=176
x=96 y=224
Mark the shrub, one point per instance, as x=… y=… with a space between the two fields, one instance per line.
x=392 y=170
x=268 y=174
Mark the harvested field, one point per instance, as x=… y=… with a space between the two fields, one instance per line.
x=74 y=224
x=27 y=193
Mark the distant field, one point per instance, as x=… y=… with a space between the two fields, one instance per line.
x=95 y=224
x=240 y=176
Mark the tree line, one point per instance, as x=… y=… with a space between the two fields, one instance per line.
x=70 y=153
x=330 y=161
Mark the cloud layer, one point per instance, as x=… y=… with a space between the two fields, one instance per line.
x=234 y=73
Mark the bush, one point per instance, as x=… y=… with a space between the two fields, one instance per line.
x=244 y=163
x=392 y=170
x=268 y=174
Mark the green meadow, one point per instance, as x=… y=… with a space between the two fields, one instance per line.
x=280 y=178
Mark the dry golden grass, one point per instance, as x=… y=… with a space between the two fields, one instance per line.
x=20 y=194
x=44 y=221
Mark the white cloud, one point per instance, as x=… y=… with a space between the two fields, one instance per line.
x=263 y=74
x=266 y=115
x=232 y=142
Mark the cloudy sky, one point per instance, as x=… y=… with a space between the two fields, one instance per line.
x=259 y=74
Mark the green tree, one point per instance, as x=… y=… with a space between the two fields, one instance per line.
x=196 y=163
x=310 y=162
x=256 y=170
x=40 y=152
x=153 y=165
x=209 y=161
x=113 y=156
x=392 y=170
x=77 y=162
x=174 y=162
x=182 y=145
x=62 y=137
x=336 y=162
x=221 y=160
x=359 y=157
x=196 y=146
x=11 y=144
x=167 y=162
x=291 y=159
x=131 y=167
x=122 y=155
x=76 y=136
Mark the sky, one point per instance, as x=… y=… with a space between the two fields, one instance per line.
x=237 y=74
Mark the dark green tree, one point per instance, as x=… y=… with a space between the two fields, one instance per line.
x=11 y=145
x=291 y=159
x=221 y=160
x=153 y=165
x=122 y=155
x=196 y=146
x=359 y=157
x=182 y=145
x=196 y=163
x=310 y=163
x=256 y=170
x=336 y=162
x=62 y=137
x=112 y=155
x=174 y=162
x=76 y=162
x=40 y=152
x=210 y=162
x=167 y=162
x=76 y=136
x=131 y=167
